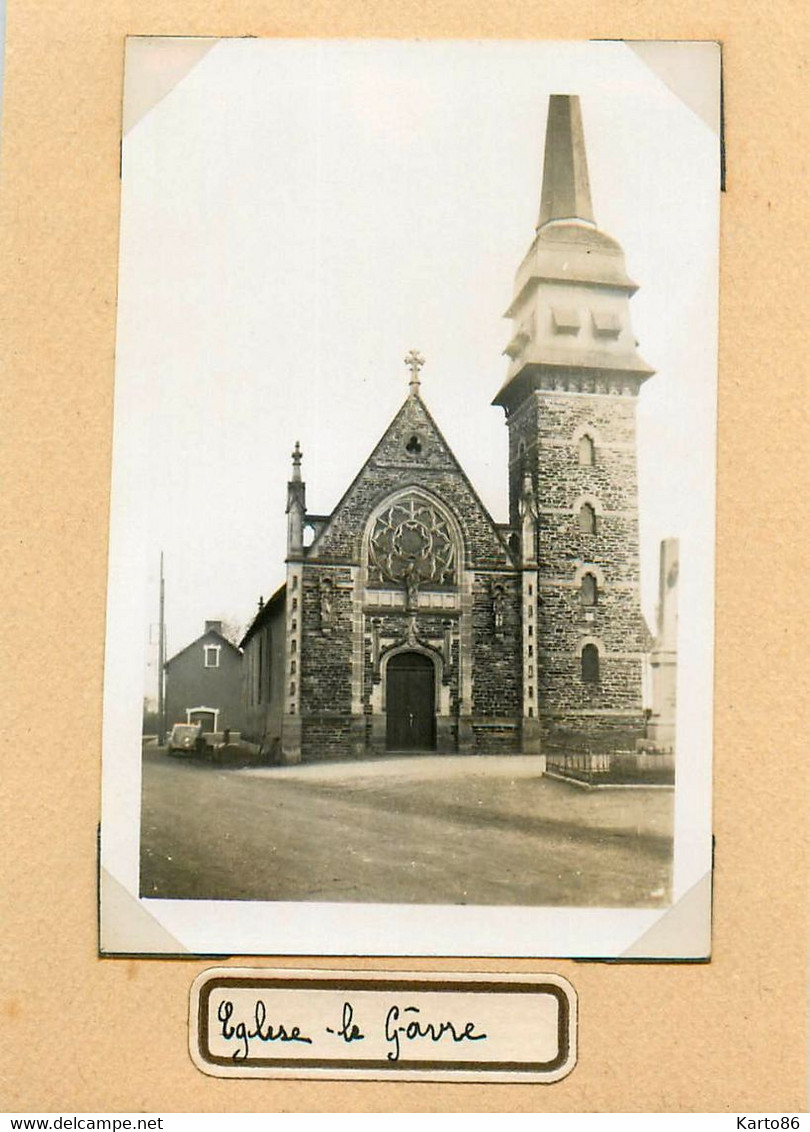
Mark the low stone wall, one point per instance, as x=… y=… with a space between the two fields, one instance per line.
x=496 y=737
x=332 y=737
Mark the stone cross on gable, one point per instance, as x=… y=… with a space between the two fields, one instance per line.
x=414 y=361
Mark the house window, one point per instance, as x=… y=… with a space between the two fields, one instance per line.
x=588 y=590
x=587 y=519
x=586 y=451
x=590 y=664
x=212 y=656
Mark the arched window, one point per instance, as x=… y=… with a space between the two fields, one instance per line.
x=587 y=590
x=586 y=451
x=587 y=519
x=590 y=664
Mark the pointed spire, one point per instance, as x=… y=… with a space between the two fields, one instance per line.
x=566 y=191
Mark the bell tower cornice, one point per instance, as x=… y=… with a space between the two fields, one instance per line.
x=570 y=311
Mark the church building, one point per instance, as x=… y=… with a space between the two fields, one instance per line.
x=412 y=620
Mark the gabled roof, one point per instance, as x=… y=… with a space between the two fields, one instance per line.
x=390 y=460
x=210 y=637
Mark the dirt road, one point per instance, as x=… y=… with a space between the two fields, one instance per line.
x=484 y=831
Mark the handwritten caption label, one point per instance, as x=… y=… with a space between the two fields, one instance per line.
x=437 y=1026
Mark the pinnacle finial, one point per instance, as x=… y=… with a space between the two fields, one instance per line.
x=566 y=193
x=296 y=461
x=414 y=361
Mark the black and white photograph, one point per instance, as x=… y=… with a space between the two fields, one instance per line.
x=411 y=568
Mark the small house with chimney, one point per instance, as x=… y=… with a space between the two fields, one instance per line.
x=204 y=683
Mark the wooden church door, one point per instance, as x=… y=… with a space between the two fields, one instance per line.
x=410 y=702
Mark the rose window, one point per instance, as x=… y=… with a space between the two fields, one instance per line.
x=411 y=541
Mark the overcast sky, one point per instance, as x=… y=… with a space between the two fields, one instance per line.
x=297 y=215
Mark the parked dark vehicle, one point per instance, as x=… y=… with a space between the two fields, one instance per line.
x=186 y=739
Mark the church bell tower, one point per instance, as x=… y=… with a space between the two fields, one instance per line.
x=570 y=400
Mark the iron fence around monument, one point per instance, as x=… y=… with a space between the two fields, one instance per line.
x=612 y=758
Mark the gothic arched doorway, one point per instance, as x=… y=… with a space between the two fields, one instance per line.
x=410 y=703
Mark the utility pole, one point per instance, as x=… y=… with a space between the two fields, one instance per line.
x=161 y=658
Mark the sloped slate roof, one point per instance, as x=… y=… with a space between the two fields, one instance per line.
x=263 y=614
x=211 y=637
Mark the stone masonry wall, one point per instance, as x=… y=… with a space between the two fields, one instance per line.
x=412 y=453
x=497 y=673
x=324 y=738
x=547 y=428
x=326 y=653
x=502 y=738
x=391 y=468
x=325 y=665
